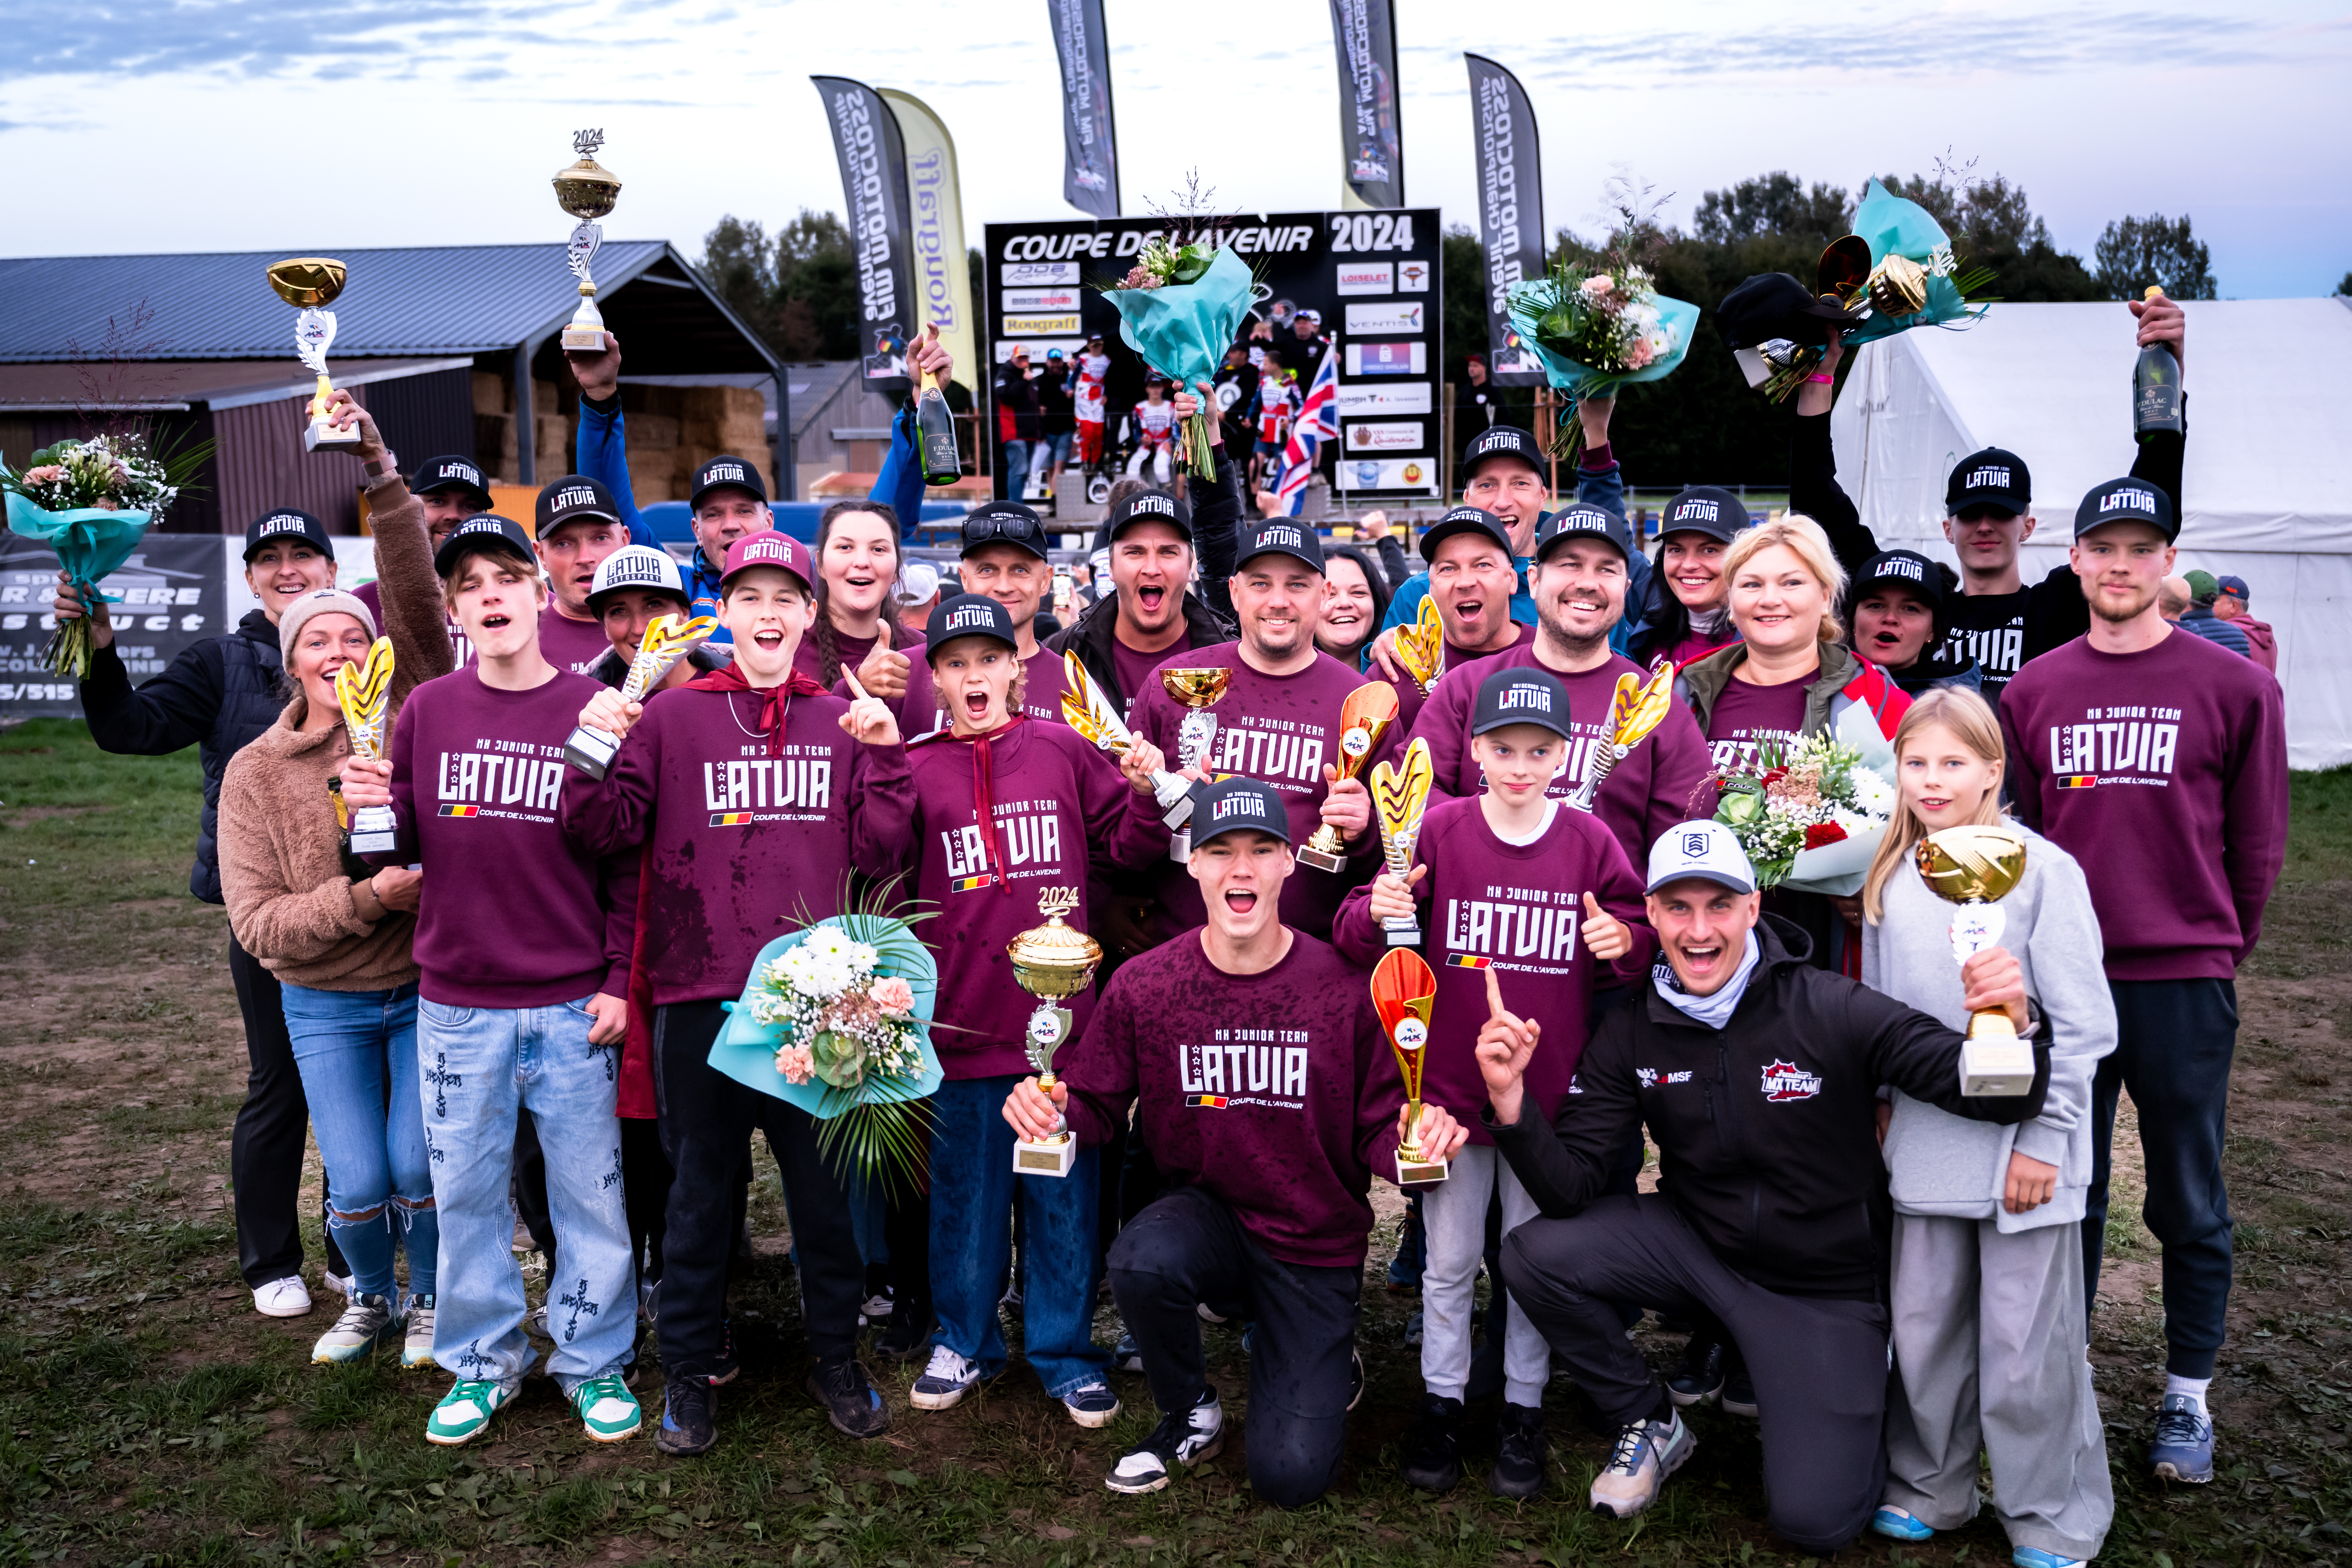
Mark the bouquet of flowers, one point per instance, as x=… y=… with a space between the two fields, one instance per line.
x=1180 y=307
x=1596 y=328
x=836 y=1018
x=91 y=501
x=1899 y=267
x=1809 y=816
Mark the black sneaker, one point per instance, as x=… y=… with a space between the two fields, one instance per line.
x=1699 y=1380
x=1519 y=1462
x=1739 y=1392
x=728 y=1367
x=1433 y=1448
x=1177 y=1443
x=851 y=1401
x=687 y=1424
x=908 y=1334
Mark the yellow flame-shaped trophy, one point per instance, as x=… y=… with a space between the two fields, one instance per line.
x=364 y=692
x=1635 y=708
x=1400 y=796
x=1420 y=646
x=666 y=640
x=1974 y=867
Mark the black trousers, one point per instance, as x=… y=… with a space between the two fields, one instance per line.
x=1819 y=1366
x=706 y=1120
x=1187 y=1248
x=273 y=1128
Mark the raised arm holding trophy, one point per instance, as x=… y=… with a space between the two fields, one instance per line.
x=587 y=190
x=311 y=283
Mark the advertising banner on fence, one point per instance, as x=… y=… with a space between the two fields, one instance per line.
x=935 y=207
x=1510 y=209
x=874 y=192
x=1090 y=154
x=174 y=592
x=1372 y=144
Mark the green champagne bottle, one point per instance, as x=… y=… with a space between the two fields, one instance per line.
x=2156 y=387
x=935 y=433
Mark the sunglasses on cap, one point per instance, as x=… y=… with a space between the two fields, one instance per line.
x=1002 y=525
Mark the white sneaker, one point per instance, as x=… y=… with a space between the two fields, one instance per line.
x=1647 y=1452
x=1178 y=1441
x=287 y=1298
x=876 y=1308
x=946 y=1380
x=340 y=1284
x=365 y=1324
x=416 y=1347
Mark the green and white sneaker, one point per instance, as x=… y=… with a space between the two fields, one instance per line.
x=607 y=1409
x=366 y=1321
x=416 y=1346
x=465 y=1410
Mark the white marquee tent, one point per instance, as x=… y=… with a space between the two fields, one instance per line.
x=2269 y=473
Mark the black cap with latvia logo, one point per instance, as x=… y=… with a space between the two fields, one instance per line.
x=451 y=473
x=284 y=523
x=1521 y=697
x=1282 y=536
x=2126 y=501
x=1582 y=521
x=1990 y=478
x=1149 y=506
x=1504 y=440
x=1237 y=805
x=486 y=533
x=574 y=498
x=721 y=472
x=1704 y=508
x=1464 y=520
x=968 y=615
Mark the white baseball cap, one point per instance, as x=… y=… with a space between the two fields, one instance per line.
x=1708 y=852
x=638 y=567
x=918 y=580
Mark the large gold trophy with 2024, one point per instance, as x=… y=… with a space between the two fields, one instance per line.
x=364 y=692
x=1420 y=646
x=1365 y=716
x=587 y=190
x=1404 y=990
x=1399 y=797
x=1635 y=708
x=1093 y=715
x=1974 y=867
x=311 y=283
x=1052 y=963
x=1196 y=736
x=667 y=639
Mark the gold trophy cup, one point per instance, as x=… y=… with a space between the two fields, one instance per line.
x=1198 y=691
x=1420 y=646
x=364 y=693
x=1364 y=717
x=667 y=639
x=586 y=190
x=1403 y=991
x=1051 y=962
x=1974 y=867
x=311 y=284
x=1637 y=707
x=1400 y=796
x=1093 y=715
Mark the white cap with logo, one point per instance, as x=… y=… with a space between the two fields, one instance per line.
x=1706 y=851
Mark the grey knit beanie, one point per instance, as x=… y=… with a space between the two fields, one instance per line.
x=318 y=602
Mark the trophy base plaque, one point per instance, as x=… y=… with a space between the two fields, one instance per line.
x=592 y=751
x=1180 y=846
x=583 y=340
x=1412 y=1172
x=1995 y=1063
x=1404 y=933
x=374 y=831
x=321 y=436
x=1321 y=861
x=1175 y=814
x=1048 y=1157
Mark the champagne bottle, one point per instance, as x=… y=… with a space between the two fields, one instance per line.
x=935 y=432
x=2156 y=387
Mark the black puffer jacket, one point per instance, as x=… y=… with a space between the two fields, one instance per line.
x=1766 y=1129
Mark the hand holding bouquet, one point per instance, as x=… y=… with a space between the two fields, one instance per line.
x=1809 y=816
x=91 y=501
x=1180 y=307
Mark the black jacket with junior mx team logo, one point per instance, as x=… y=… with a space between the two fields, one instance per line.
x=1766 y=1129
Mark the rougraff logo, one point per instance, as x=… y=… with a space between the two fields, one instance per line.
x=1529 y=695
x=722 y=473
x=1786 y=1081
x=1901 y=566
x=1149 y=504
x=1987 y=479
x=574 y=495
x=2128 y=501
x=1700 y=509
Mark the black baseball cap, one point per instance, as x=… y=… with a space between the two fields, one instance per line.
x=450 y=473
x=1464 y=520
x=1906 y=570
x=1585 y=521
x=1282 y=536
x=724 y=470
x=1774 y=305
x=488 y=533
x=2126 y=501
x=1231 y=805
x=285 y=522
x=1004 y=523
x=1508 y=439
x=1704 y=508
x=574 y=498
x=1990 y=478
x=1521 y=697
x=968 y=615
x=1149 y=506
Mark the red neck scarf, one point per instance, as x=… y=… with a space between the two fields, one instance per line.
x=983 y=791
x=774 y=700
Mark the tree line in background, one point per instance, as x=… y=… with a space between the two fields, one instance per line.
x=797 y=288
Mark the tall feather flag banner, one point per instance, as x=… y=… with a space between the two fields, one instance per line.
x=935 y=212
x=1089 y=153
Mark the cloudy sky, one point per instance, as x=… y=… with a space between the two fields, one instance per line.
x=236 y=124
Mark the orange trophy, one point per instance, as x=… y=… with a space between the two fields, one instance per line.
x=1364 y=717
x=1403 y=989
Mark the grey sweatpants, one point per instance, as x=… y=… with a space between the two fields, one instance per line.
x=1453 y=1227
x=1989 y=1353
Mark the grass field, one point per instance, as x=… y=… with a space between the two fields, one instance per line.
x=147 y=1416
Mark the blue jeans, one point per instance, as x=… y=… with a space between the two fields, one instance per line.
x=972 y=1190
x=481 y=1067
x=356 y=1051
x=1016 y=467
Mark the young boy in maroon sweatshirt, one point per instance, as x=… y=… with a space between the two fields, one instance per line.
x=2158 y=761
x=512 y=1017
x=754 y=793
x=1007 y=808
x=1527 y=897
x=1265 y=1085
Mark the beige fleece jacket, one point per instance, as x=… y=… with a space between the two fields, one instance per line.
x=290 y=902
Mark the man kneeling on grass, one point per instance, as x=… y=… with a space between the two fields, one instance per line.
x=1267 y=1093
x=1758 y=1076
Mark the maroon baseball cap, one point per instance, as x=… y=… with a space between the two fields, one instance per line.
x=769 y=548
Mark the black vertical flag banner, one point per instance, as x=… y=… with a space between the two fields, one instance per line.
x=874 y=187
x=1510 y=210
x=1364 y=32
x=1089 y=155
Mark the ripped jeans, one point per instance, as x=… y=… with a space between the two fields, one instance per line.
x=356 y=1051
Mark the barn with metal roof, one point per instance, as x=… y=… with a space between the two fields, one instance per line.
x=452 y=349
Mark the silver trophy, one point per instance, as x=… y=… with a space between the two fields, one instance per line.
x=666 y=640
x=586 y=190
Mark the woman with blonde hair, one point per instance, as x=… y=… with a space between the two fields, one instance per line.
x=1986 y=1300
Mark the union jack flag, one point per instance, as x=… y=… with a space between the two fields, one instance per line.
x=1317 y=421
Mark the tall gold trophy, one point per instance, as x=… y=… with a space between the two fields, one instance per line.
x=1637 y=707
x=1051 y=962
x=1973 y=867
x=667 y=639
x=1085 y=709
x=311 y=283
x=1198 y=691
x=586 y=190
x=1399 y=797
x=1364 y=717
x=1420 y=646
x=364 y=693
x=1403 y=991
